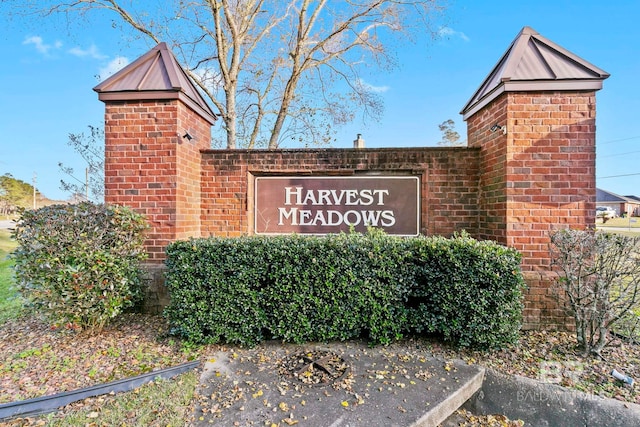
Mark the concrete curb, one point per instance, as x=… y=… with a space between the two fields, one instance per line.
x=452 y=403
x=548 y=405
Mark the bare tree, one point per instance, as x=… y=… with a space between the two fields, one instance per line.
x=90 y=185
x=450 y=137
x=274 y=69
x=599 y=281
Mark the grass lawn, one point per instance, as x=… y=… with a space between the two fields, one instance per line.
x=629 y=227
x=160 y=403
x=58 y=360
x=10 y=303
x=620 y=222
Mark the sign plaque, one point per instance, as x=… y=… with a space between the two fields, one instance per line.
x=331 y=204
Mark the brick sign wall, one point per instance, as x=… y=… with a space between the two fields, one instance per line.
x=514 y=186
x=444 y=180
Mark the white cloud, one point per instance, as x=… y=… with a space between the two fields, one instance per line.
x=40 y=45
x=371 y=88
x=115 y=65
x=92 y=52
x=447 y=32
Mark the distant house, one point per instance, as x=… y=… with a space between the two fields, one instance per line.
x=629 y=205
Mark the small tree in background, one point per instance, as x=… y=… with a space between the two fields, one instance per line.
x=450 y=137
x=91 y=149
x=79 y=264
x=599 y=281
x=14 y=194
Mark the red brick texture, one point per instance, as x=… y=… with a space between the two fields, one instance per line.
x=151 y=168
x=448 y=180
x=537 y=178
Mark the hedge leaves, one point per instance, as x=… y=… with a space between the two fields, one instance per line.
x=338 y=287
x=79 y=264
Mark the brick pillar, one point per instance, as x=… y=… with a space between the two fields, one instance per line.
x=551 y=165
x=536 y=178
x=492 y=188
x=156 y=123
x=551 y=184
x=152 y=168
x=533 y=118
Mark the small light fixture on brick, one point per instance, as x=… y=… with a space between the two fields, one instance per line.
x=497 y=127
x=188 y=136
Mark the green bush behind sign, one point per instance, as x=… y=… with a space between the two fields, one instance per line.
x=344 y=286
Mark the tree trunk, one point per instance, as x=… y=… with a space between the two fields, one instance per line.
x=231 y=118
x=289 y=91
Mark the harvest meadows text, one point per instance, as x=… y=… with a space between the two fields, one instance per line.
x=299 y=196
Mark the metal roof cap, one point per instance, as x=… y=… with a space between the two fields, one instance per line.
x=535 y=63
x=155 y=75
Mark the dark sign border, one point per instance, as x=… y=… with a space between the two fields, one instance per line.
x=415 y=181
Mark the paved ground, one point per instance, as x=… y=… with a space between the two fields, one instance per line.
x=5 y=224
x=341 y=385
x=352 y=385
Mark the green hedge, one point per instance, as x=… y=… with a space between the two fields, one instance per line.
x=79 y=264
x=345 y=286
x=467 y=290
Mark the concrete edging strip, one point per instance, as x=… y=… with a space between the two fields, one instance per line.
x=442 y=411
x=45 y=404
x=544 y=404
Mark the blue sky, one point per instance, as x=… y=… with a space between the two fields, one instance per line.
x=48 y=75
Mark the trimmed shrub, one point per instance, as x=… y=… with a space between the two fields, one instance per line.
x=79 y=264
x=334 y=288
x=469 y=291
x=214 y=286
x=345 y=286
x=291 y=288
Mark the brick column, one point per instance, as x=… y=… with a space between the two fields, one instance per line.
x=551 y=184
x=536 y=178
x=156 y=124
x=550 y=169
x=492 y=187
x=151 y=168
x=533 y=118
